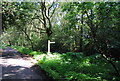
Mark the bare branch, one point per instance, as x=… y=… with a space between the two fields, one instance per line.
x=43 y=13
x=50 y=8
x=53 y=12
x=41 y=20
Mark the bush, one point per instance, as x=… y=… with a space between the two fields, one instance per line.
x=67 y=66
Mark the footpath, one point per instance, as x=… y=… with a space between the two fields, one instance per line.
x=19 y=67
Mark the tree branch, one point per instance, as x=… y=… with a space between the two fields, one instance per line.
x=50 y=8
x=53 y=12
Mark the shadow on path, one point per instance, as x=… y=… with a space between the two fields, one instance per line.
x=19 y=67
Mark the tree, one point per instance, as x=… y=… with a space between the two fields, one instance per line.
x=99 y=18
x=44 y=14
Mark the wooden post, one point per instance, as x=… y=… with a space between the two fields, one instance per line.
x=49 y=46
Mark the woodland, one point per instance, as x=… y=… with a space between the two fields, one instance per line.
x=86 y=36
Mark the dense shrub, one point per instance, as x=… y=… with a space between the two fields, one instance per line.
x=76 y=66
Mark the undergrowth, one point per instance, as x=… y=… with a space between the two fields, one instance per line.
x=73 y=66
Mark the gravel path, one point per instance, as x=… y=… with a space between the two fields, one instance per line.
x=19 y=66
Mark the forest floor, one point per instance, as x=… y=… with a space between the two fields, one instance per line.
x=19 y=66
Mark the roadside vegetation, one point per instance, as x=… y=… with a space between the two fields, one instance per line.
x=86 y=36
x=73 y=66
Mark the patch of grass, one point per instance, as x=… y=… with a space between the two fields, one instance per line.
x=77 y=67
x=73 y=66
x=25 y=50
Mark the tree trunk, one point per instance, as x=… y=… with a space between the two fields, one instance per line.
x=28 y=38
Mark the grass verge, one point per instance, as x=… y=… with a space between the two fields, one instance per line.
x=73 y=66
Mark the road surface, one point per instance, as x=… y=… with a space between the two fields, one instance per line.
x=16 y=66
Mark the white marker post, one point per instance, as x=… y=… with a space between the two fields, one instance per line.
x=49 y=46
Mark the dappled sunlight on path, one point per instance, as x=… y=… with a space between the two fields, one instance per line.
x=16 y=67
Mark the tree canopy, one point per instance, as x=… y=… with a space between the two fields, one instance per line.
x=87 y=27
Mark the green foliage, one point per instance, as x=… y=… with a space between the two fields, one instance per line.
x=25 y=50
x=88 y=27
x=73 y=66
x=79 y=24
x=66 y=66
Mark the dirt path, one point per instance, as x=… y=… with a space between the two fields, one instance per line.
x=20 y=67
